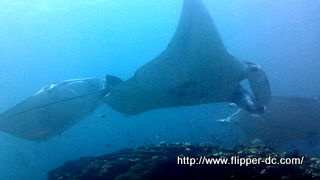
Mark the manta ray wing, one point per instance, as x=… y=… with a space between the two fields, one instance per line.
x=54 y=109
x=285 y=119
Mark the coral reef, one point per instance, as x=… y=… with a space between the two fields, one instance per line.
x=160 y=162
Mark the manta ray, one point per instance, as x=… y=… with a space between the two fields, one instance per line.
x=194 y=69
x=54 y=109
x=285 y=119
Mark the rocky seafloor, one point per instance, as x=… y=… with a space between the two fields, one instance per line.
x=160 y=162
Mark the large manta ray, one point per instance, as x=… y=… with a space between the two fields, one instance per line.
x=194 y=69
x=285 y=119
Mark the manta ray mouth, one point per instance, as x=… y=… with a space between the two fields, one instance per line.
x=246 y=101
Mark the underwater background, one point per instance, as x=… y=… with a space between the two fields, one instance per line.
x=42 y=42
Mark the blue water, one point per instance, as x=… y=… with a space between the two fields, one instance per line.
x=52 y=40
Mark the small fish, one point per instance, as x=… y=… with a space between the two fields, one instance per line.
x=37 y=134
x=102 y=116
x=158 y=136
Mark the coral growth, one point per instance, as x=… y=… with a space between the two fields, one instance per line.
x=160 y=162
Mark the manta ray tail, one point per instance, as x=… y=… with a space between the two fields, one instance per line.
x=112 y=81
